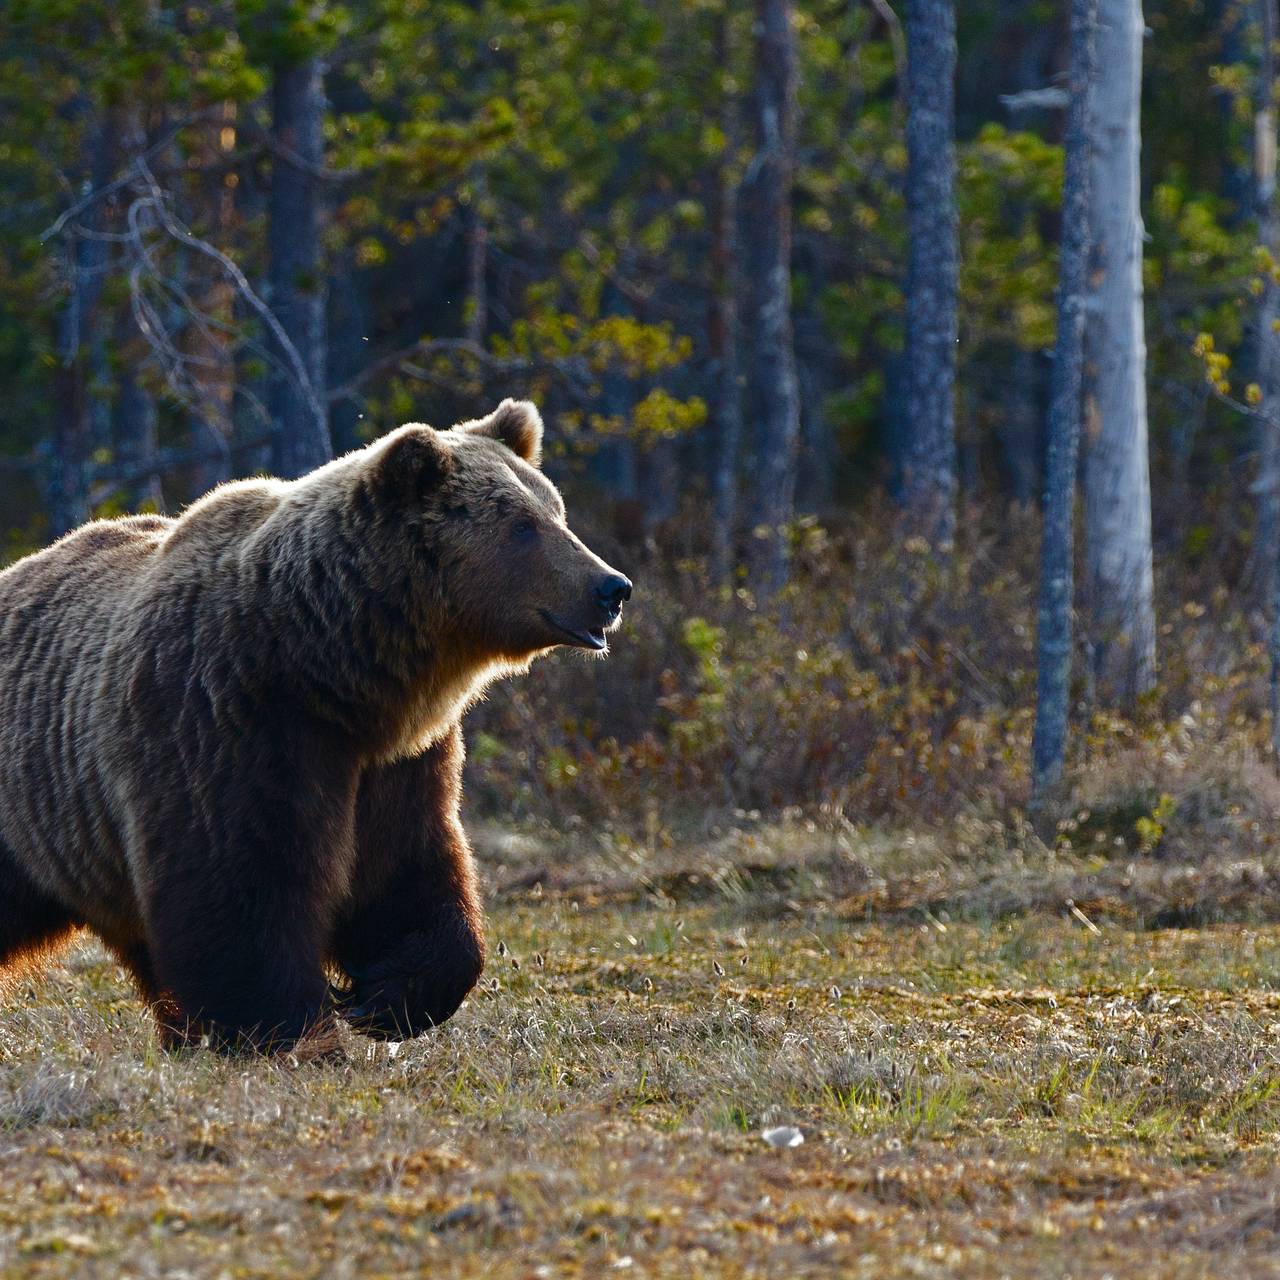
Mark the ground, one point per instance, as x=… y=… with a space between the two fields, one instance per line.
x=1049 y=1088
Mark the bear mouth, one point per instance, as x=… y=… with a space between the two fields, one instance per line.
x=581 y=637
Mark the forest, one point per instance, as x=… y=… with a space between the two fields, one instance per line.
x=904 y=886
x=793 y=317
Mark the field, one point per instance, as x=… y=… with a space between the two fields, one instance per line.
x=999 y=1062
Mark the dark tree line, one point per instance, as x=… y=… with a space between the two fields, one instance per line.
x=757 y=260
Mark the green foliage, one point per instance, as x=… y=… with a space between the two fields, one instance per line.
x=1007 y=184
x=582 y=135
x=1150 y=827
x=583 y=142
x=287 y=32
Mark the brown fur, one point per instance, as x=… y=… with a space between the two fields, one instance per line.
x=230 y=744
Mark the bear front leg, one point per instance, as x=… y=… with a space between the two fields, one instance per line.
x=174 y=1028
x=244 y=963
x=239 y=907
x=411 y=942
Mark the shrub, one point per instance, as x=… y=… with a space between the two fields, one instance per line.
x=881 y=685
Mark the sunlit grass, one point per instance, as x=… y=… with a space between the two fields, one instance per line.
x=1011 y=1095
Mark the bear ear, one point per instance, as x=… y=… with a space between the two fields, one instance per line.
x=413 y=462
x=515 y=423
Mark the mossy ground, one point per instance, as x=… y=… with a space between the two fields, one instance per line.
x=1026 y=1092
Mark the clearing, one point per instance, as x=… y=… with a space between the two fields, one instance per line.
x=1036 y=1091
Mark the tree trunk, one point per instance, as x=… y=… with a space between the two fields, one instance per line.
x=135 y=438
x=722 y=328
x=95 y=266
x=1116 y=475
x=616 y=465
x=1053 y=633
x=78 y=417
x=929 y=479
x=819 y=453
x=213 y=372
x=1267 y=532
x=1018 y=432
x=477 y=317
x=768 y=250
x=68 y=463
x=1266 y=553
x=296 y=268
x=1238 y=183
x=815 y=480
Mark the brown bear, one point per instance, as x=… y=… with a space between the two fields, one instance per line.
x=230 y=745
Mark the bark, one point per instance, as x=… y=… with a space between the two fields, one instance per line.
x=1053 y=632
x=815 y=481
x=929 y=478
x=1018 y=430
x=1021 y=419
x=134 y=434
x=68 y=463
x=616 y=465
x=895 y=441
x=95 y=266
x=1116 y=473
x=1267 y=533
x=722 y=331
x=818 y=460
x=296 y=268
x=1232 y=20
x=77 y=415
x=968 y=448
x=213 y=374
x=135 y=438
x=767 y=246
x=477 y=268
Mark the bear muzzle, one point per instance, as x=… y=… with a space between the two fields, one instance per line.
x=606 y=603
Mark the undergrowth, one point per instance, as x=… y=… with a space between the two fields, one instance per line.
x=881 y=688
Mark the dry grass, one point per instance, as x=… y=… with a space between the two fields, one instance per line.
x=986 y=1085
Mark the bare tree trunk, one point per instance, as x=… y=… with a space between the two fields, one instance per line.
x=135 y=439
x=815 y=481
x=1057 y=578
x=296 y=266
x=768 y=251
x=616 y=466
x=819 y=453
x=929 y=478
x=477 y=266
x=76 y=330
x=722 y=328
x=1231 y=19
x=1018 y=431
x=95 y=266
x=213 y=374
x=1116 y=475
x=1266 y=551
x=1267 y=533
x=68 y=463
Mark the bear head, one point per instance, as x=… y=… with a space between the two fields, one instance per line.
x=502 y=574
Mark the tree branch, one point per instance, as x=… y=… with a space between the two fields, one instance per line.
x=132 y=169
x=1050 y=98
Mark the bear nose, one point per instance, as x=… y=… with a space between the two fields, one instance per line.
x=612 y=591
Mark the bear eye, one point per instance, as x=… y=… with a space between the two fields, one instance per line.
x=524 y=530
